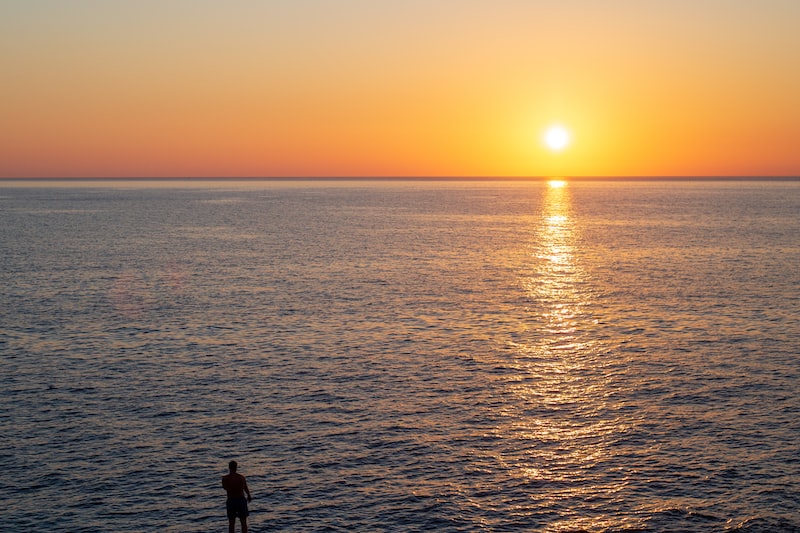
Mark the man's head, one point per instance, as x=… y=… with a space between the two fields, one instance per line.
x=232 y=466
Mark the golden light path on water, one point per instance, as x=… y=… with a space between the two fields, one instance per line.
x=562 y=419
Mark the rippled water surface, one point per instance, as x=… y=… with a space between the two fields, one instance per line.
x=401 y=356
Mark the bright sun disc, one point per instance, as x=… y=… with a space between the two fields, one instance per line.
x=556 y=138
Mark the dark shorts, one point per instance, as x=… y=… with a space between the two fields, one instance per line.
x=236 y=507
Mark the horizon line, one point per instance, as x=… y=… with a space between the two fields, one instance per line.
x=414 y=178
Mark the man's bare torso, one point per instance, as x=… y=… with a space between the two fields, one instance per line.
x=234 y=485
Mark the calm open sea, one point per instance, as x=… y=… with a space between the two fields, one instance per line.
x=401 y=356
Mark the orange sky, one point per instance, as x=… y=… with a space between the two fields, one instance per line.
x=176 y=88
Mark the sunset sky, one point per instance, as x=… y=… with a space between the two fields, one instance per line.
x=181 y=88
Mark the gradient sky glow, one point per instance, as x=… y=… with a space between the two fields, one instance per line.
x=176 y=88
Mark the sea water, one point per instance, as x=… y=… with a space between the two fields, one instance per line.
x=401 y=356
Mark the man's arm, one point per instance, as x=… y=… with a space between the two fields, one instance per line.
x=247 y=491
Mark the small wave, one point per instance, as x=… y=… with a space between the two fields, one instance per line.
x=767 y=525
x=675 y=519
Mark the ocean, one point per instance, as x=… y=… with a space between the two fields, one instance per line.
x=401 y=356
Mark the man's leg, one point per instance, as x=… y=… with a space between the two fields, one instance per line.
x=232 y=525
x=244 y=524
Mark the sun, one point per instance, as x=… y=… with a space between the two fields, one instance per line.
x=556 y=138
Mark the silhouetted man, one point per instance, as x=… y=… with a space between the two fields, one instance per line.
x=236 y=505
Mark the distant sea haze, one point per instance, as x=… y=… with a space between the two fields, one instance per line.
x=401 y=355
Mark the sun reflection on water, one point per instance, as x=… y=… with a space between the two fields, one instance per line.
x=558 y=278
x=560 y=417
